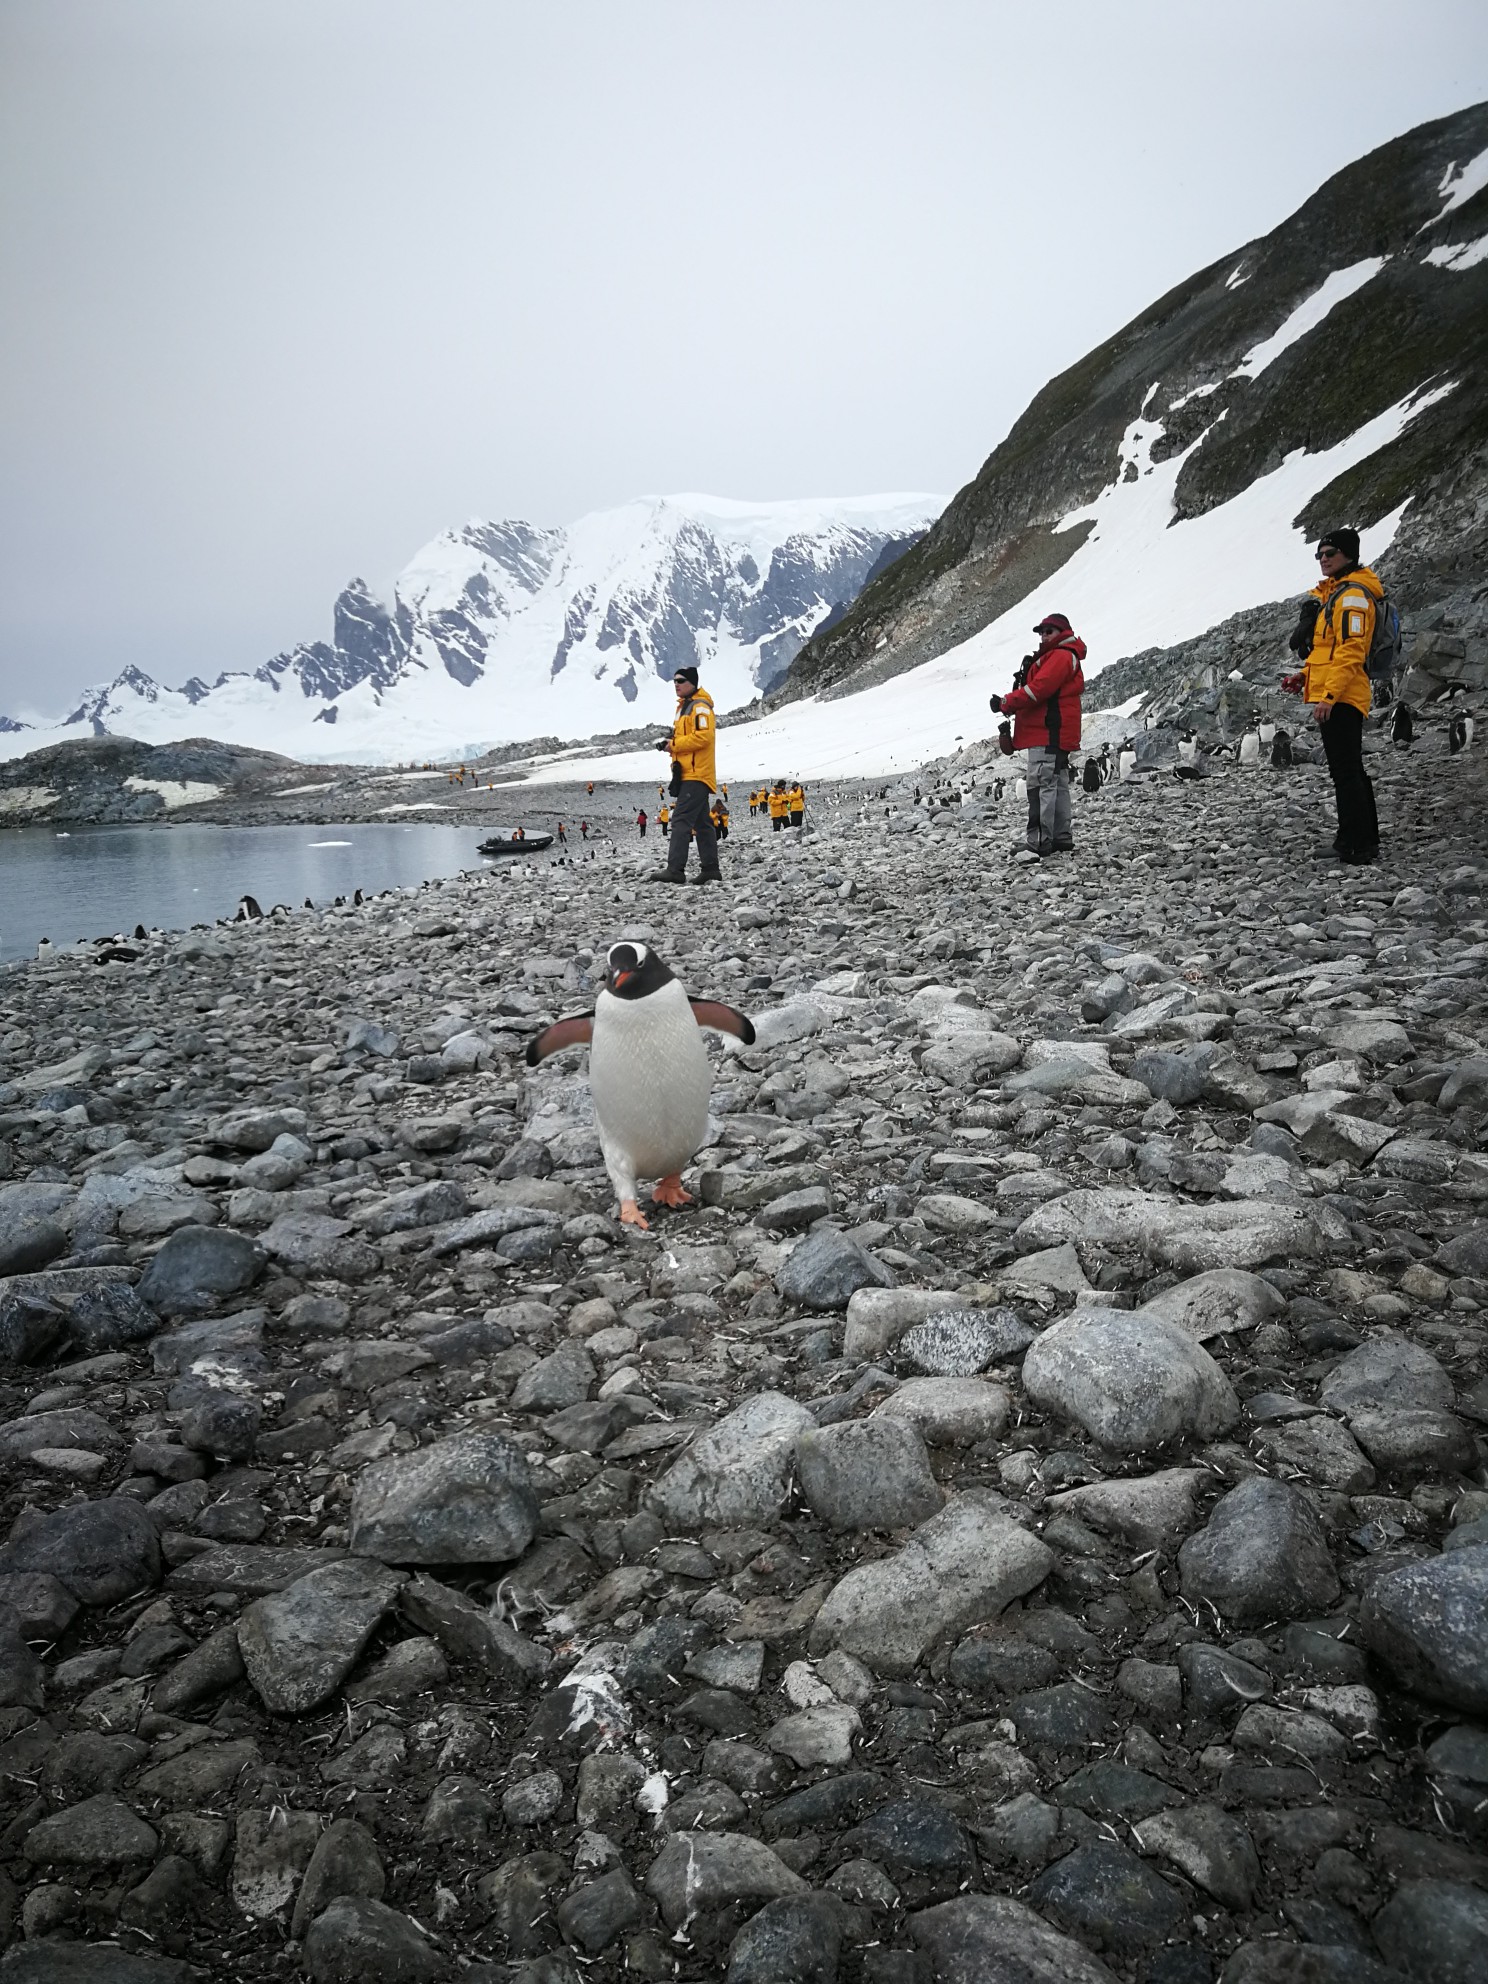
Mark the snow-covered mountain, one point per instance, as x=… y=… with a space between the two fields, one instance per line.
x=502 y=631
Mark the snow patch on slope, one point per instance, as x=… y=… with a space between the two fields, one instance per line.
x=1308 y=315
x=1460 y=255
x=1458 y=184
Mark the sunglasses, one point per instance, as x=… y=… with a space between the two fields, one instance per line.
x=1327 y=551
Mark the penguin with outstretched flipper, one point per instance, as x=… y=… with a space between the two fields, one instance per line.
x=648 y=1072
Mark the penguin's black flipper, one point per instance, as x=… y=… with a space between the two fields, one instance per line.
x=575 y=1032
x=723 y=1019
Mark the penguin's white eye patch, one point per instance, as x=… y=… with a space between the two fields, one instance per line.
x=626 y=957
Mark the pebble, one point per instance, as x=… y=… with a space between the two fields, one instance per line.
x=1048 y=1455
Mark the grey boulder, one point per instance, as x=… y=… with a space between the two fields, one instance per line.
x=867 y=1474
x=980 y=1937
x=197 y=1267
x=1193 y=1237
x=1262 y=1555
x=298 y=1645
x=1132 y=1381
x=100 y=1551
x=738 y=1472
x=698 y=1871
x=1214 y=1303
x=963 y=1566
x=467 y=1499
x=1428 y=1623
x=827 y=1268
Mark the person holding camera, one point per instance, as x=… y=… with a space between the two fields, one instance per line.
x=1044 y=703
x=1332 y=640
x=691 y=748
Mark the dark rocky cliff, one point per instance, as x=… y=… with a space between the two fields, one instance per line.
x=1417 y=323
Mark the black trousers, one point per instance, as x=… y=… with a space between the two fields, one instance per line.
x=690 y=816
x=1343 y=746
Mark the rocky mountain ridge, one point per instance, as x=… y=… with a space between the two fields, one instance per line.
x=1374 y=291
x=502 y=631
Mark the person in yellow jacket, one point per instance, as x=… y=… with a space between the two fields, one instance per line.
x=1335 y=681
x=718 y=813
x=779 y=804
x=694 y=781
x=663 y=817
x=797 y=803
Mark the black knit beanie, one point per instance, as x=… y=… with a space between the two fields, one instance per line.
x=1346 y=541
x=691 y=674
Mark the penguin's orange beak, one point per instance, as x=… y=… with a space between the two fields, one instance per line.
x=618 y=978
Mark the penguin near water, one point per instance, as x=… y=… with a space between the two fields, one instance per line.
x=648 y=1072
x=248 y=911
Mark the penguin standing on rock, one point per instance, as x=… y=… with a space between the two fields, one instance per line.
x=1459 y=732
x=1402 y=726
x=648 y=1072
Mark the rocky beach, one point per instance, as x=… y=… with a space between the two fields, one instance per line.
x=1028 y=1519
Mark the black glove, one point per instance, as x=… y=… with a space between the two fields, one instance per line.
x=662 y=744
x=995 y=702
x=1301 y=637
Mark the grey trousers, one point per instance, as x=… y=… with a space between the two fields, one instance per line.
x=690 y=816
x=1050 y=815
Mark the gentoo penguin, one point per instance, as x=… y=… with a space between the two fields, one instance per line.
x=1188 y=748
x=44 y=950
x=1090 y=778
x=1281 y=751
x=1459 y=732
x=140 y=933
x=248 y=911
x=1127 y=763
x=1020 y=790
x=1403 y=726
x=1267 y=733
x=1106 y=767
x=648 y=1072
x=1250 y=747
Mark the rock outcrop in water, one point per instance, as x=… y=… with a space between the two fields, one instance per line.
x=1029 y=1519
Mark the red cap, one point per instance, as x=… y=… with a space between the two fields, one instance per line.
x=1056 y=620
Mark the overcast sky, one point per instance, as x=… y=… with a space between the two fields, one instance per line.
x=288 y=286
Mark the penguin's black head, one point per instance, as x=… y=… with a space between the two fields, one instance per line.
x=633 y=971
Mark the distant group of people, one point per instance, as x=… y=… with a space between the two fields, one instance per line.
x=784 y=805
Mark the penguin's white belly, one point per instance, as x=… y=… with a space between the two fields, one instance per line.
x=650 y=1078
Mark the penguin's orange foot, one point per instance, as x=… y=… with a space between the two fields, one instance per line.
x=669 y=1192
x=631 y=1215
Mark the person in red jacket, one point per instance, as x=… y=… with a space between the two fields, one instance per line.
x=1044 y=703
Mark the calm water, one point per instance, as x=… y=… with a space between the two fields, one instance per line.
x=96 y=880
